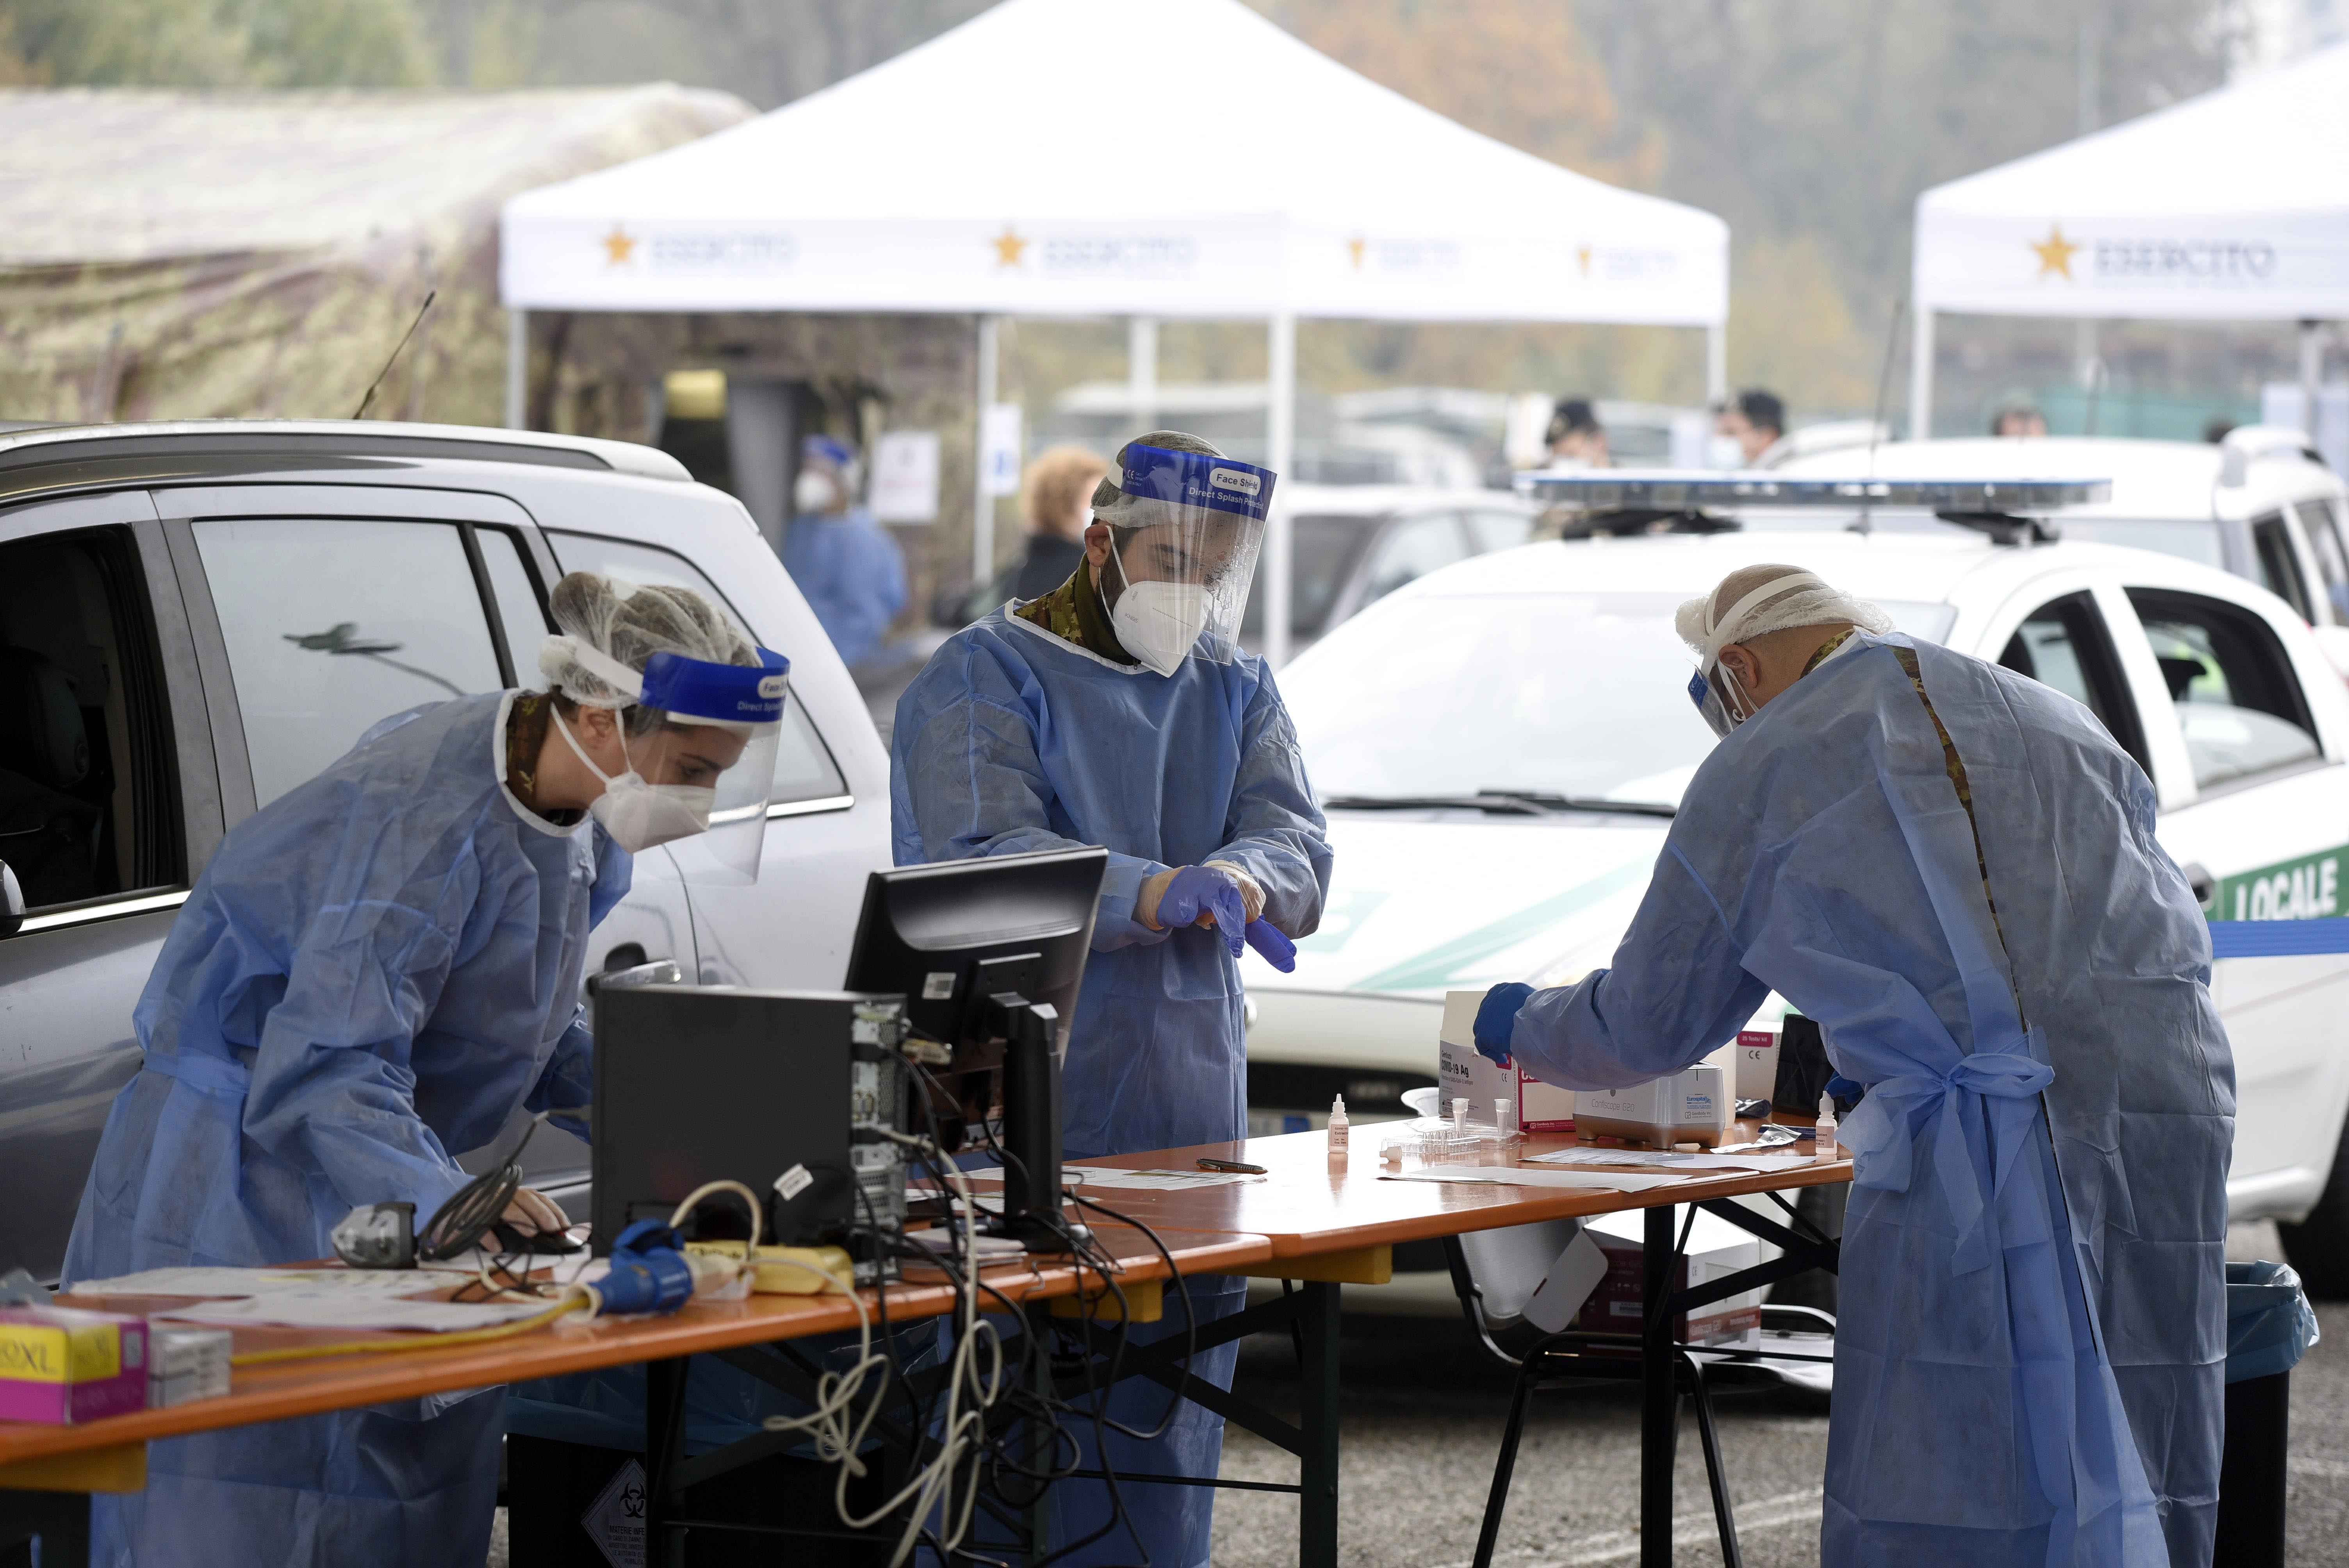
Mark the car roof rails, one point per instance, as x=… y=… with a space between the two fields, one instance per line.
x=1599 y=501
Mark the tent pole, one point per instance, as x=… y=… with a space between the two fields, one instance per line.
x=2311 y=368
x=1141 y=371
x=1716 y=365
x=517 y=368
x=1279 y=444
x=1920 y=373
x=982 y=504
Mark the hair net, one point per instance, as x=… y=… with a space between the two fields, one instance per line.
x=1755 y=601
x=1119 y=509
x=607 y=621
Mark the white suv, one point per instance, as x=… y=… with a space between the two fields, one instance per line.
x=196 y=618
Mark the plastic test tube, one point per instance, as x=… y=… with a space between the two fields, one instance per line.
x=1504 y=1116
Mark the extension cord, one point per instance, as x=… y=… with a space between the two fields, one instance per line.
x=789 y=1270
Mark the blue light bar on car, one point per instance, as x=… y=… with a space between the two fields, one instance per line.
x=1671 y=490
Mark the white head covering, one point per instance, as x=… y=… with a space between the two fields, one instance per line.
x=1787 y=598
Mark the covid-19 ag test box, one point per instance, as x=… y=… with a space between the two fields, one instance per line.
x=1462 y=1073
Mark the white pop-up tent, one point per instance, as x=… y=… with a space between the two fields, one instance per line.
x=2232 y=206
x=1137 y=158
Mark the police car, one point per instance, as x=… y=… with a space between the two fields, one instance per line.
x=1501 y=746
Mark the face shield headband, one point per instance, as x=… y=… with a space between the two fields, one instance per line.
x=1189 y=529
x=726 y=819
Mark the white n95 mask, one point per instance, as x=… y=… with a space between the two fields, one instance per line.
x=640 y=815
x=1158 y=623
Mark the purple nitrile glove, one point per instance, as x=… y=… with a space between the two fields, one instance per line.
x=1201 y=890
x=1496 y=1017
x=1269 y=940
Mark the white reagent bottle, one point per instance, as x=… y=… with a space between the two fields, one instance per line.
x=1340 y=1130
x=1823 y=1146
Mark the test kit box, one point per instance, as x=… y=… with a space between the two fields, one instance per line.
x=1715 y=1248
x=1460 y=1073
x=1691 y=1106
x=1757 y=1060
x=61 y=1365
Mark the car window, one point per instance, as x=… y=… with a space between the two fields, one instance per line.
x=1410 y=550
x=2318 y=520
x=1326 y=549
x=2278 y=567
x=804 y=769
x=2239 y=704
x=2065 y=643
x=335 y=622
x=1490 y=530
x=1452 y=694
x=88 y=805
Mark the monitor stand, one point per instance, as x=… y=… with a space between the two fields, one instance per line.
x=1031 y=1127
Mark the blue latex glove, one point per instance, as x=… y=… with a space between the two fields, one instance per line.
x=1202 y=889
x=1496 y=1016
x=1277 y=949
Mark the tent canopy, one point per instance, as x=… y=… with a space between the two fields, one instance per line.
x=1163 y=157
x=2230 y=206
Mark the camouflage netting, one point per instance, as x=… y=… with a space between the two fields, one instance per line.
x=181 y=255
x=169 y=255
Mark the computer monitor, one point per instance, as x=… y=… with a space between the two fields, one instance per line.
x=989 y=954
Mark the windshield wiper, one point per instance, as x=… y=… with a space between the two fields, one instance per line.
x=1498 y=802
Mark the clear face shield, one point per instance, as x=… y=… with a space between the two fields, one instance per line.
x=704 y=765
x=1186 y=532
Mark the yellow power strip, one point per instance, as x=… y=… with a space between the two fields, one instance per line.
x=790 y=1270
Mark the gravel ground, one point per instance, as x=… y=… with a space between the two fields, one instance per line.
x=1424 y=1411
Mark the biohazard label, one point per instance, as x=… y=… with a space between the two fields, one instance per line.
x=615 y=1522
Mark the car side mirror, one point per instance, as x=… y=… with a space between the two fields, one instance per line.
x=12 y=902
x=659 y=972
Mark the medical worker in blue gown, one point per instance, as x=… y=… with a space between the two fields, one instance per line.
x=1118 y=710
x=1953 y=869
x=847 y=565
x=379 y=968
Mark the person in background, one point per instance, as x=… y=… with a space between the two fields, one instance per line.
x=1060 y=501
x=847 y=565
x=1575 y=439
x=1745 y=428
x=1119 y=710
x=377 y=968
x=1953 y=869
x=2018 y=419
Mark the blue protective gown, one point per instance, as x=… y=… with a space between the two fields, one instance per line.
x=853 y=574
x=1012 y=739
x=375 y=969
x=2001 y=1398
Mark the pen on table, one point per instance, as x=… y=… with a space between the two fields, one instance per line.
x=1241 y=1167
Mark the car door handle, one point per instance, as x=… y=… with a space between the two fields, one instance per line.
x=659 y=972
x=2202 y=883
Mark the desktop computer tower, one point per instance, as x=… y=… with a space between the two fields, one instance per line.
x=769 y=1088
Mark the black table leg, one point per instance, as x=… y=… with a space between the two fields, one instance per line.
x=664 y=1449
x=1659 y=1402
x=60 y=1520
x=1317 y=1510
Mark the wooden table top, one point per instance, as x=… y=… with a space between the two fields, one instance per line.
x=573 y=1344
x=1304 y=1208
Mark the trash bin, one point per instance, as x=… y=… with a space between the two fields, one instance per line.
x=2269 y=1326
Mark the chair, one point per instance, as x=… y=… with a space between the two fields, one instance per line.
x=1494 y=1272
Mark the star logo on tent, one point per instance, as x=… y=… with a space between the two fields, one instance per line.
x=619 y=247
x=1354 y=248
x=2056 y=253
x=1007 y=247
